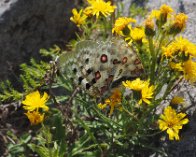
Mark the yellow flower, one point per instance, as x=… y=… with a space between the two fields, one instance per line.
x=113 y=101
x=99 y=6
x=34 y=101
x=101 y=106
x=177 y=100
x=180 y=21
x=137 y=34
x=155 y=14
x=35 y=117
x=87 y=11
x=149 y=27
x=162 y=14
x=121 y=23
x=165 y=10
x=147 y=93
x=189 y=69
x=149 y=23
x=180 y=46
x=168 y=51
x=172 y=122
x=191 y=49
x=78 y=18
x=136 y=85
x=176 y=66
x=183 y=45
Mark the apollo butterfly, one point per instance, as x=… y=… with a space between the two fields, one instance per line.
x=98 y=67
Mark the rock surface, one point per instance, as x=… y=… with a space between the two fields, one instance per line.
x=27 y=26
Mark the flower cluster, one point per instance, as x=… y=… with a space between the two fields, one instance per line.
x=33 y=103
x=180 y=53
x=180 y=47
x=156 y=41
x=162 y=14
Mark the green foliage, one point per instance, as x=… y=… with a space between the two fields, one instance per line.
x=18 y=146
x=136 y=10
x=31 y=77
x=7 y=92
x=51 y=52
x=51 y=141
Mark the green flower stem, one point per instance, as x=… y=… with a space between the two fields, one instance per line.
x=129 y=113
x=105 y=22
x=153 y=65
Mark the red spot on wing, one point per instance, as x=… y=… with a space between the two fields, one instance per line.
x=124 y=60
x=137 y=71
x=103 y=89
x=137 y=61
x=116 y=61
x=109 y=79
x=104 y=58
x=97 y=75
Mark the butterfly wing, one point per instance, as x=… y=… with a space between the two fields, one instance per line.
x=99 y=66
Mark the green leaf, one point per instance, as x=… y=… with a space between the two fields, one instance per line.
x=40 y=150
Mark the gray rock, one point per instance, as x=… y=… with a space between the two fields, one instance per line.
x=28 y=25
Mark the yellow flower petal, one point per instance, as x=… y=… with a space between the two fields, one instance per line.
x=180 y=21
x=137 y=34
x=121 y=23
x=34 y=101
x=98 y=7
x=165 y=9
x=177 y=100
x=136 y=84
x=78 y=18
x=172 y=122
x=35 y=117
x=147 y=93
x=114 y=101
x=189 y=70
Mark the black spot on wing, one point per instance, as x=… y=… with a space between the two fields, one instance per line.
x=80 y=80
x=89 y=71
x=93 y=81
x=88 y=85
x=87 y=60
x=74 y=70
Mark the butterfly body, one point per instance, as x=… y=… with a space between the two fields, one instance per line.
x=100 y=66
